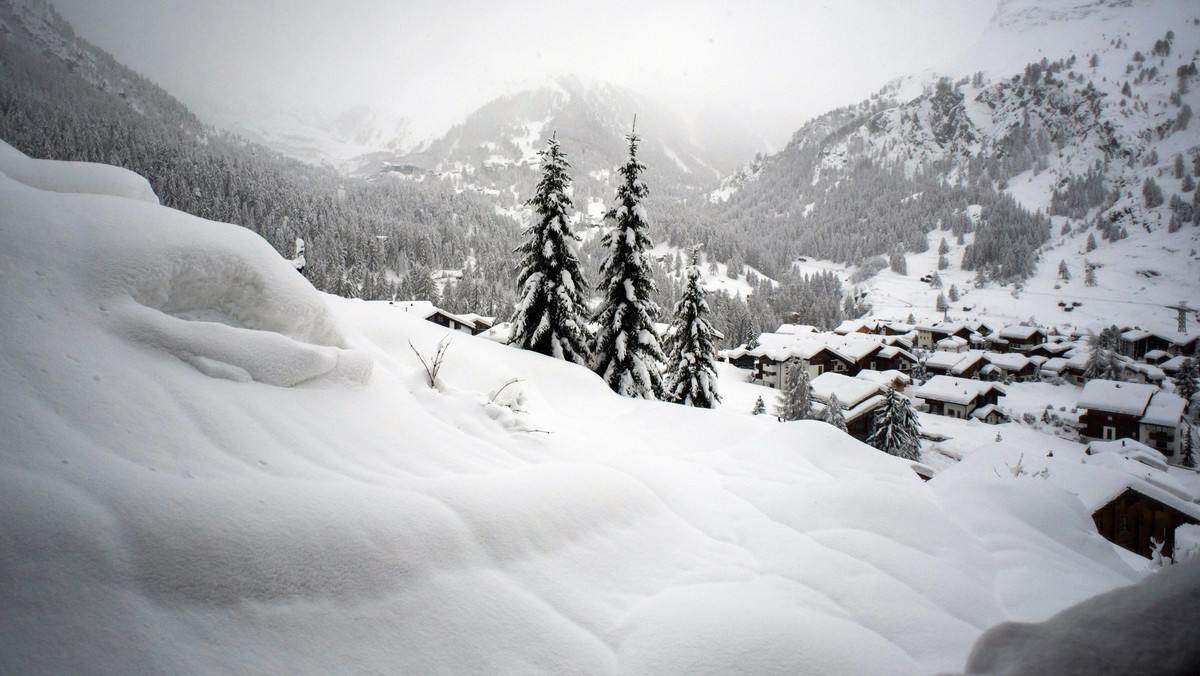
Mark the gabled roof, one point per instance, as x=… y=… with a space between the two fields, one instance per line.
x=1020 y=332
x=850 y=391
x=983 y=412
x=1054 y=365
x=1009 y=361
x=956 y=390
x=1115 y=397
x=1164 y=409
x=1133 y=335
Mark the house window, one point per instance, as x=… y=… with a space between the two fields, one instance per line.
x=1109 y=433
x=839 y=366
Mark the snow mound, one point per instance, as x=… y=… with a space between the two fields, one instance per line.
x=213 y=295
x=74 y=177
x=1145 y=628
x=517 y=518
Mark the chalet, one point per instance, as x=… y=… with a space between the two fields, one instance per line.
x=962 y=365
x=738 y=356
x=928 y=335
x=778 y=353
x=1022 y=338
x=1145 y=373
x=952 y=344
x=1114 y=410
x=1157 y=357
x=1135 y=343
x=1132 y=518
x=897 y=380
x=427 y=311
x=1054 y=367
x=891 y=358
x=1010 y=365
x=1052 y=349
x=897 y=329
x=1132 y=498
x=958 y=397
x=1185 y=344
x=859 y=399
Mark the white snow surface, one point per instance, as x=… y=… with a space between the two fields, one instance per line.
x=206 y=466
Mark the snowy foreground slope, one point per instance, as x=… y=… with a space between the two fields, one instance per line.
x=207 y=466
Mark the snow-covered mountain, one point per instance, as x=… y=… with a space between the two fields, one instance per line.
x=339 y=140
x=1027 y=151
x=496 y=147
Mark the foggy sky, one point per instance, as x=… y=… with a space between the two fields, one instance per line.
x=774 y=63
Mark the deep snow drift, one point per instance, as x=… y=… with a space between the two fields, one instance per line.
x=208 y=466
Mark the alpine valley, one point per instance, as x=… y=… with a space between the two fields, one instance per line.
x=586 y=384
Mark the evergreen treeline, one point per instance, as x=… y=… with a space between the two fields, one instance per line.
x=356 y=231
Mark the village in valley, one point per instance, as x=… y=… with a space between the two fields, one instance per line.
x=578 y=384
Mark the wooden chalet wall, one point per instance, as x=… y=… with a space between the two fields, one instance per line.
x=1131 y=519
x=1095 y=420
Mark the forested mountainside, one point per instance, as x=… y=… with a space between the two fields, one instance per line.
x=63 y=98
x=987 y=155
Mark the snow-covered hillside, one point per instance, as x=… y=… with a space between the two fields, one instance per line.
x=1081 y=115
x=207 y=466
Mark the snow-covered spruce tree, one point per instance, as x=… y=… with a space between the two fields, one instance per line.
x=691 y=376
x=834 y=414
x=1187 y=451
x=795 y=403
x=759 y=407
x=1187 y=381
x=627 y=350
x=1064 y=273
x=551 y=316
x=1104 y=362
x=896 y=428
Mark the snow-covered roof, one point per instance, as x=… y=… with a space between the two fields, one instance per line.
x=1009 y=361
x=1158 y=354
x=983 y=412
x=1174 y=363
x=1132 y=449
x=1165 y=409
x=849 y=391
x=1019 y=332
x=1116 y=397
x=884 y=378
x=1150 y=371
x=969 y=360
x=1178 y=338
x=1135 y=335
x=952 y=342
x=947 y=360
x=851 y=347
x=852 y=413
x=956 y=390
x=1054 y=366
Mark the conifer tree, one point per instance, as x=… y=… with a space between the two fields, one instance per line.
x=692 y=377
x=420 y=284
x=796 y=402
x=627 y=350
x=759 y=407
x=1187 y=381
x=551 y=316
x=1091 y=243
x=897 y=431
x=1064 y=273
x=834 y=414
x=1104 y=362
x=941 y=303
x=1089 y=274
x=1187 y=451
x=952 y=295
